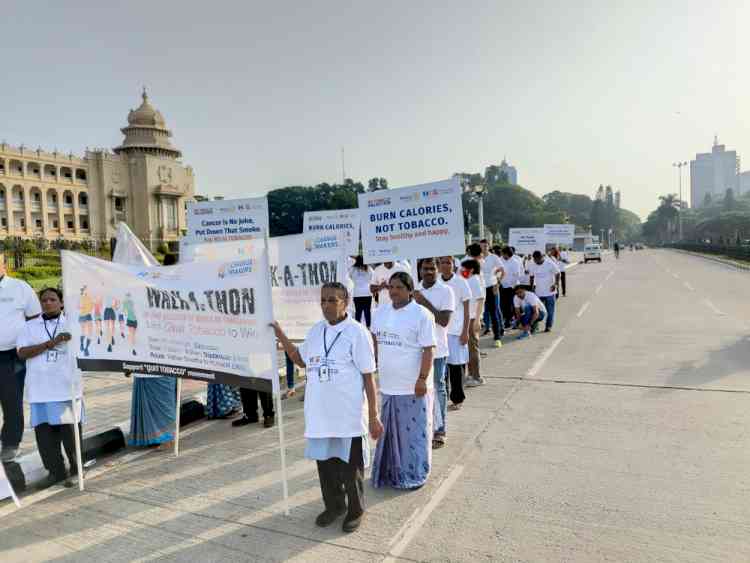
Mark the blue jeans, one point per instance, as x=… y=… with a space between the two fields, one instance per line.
x=493 y=315
x=289 y=371
x=549 y=304
x=438 y=374
x=528 y=312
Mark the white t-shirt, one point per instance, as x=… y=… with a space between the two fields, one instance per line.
x=544 y=276
x=477 y=293
x=461 y=294
x=524 y=278
x=49 y=375
x=362 y=280
x=381 y=274
x=529 y=299
x=441 y=297
x=512 y=271
x=490 y=268
x=401 y=335
x=17 y=301
x=565 y=257
x=335 y=403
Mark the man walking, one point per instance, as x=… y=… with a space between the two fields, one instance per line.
x=492 y=316
x=545 y=278
x=18 y=304
x=511 y=275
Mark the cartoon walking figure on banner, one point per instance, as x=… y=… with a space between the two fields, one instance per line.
x=85 y=318
x=131 y=320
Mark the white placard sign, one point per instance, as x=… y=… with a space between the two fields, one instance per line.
x=227 y=220
x=300 y=265
x=412 y=222
x=202 y=320
x=560 y=234
x=527 y=240
x=342 y=222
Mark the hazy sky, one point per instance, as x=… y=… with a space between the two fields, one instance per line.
x=264 y=94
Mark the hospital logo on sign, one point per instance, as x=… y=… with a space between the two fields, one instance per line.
x=379 y=201
x=321 y=243
x=237 y=268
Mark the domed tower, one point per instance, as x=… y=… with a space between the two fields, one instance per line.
x=147 y=133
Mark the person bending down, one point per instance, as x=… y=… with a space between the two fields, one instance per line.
x=530 y=311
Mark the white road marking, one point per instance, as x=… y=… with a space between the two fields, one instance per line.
x=539 y=364
x=612 y=273
x=583 y=309
x=676 y=276
x=690 y=287
x=713 y=307
x=598 y=289
x=414 y=524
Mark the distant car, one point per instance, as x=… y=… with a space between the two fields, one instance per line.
x=639 y=246
x=592 y=252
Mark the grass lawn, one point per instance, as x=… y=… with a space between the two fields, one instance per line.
x=40 y=283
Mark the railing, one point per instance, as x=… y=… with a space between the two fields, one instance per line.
x=739 y=252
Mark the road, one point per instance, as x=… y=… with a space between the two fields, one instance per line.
x=620 y=436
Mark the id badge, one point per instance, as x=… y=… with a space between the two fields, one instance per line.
x=52 y=356
x=323 y=374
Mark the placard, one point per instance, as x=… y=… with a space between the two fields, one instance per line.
x=560 y=234
x=202 y=320
x=412 y=222
x=227 y=219
x=527 y=240
x=342 y=222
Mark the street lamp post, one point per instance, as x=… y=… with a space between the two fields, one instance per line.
x=679 y=166
x=478 y=191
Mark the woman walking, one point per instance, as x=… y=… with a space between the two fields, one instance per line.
x=50 y=379
x=338 y=356
x=405 y=341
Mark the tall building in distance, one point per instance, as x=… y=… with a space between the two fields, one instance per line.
x=493 y=173
x=56 y=196
x=617 y=199
x=713 y=173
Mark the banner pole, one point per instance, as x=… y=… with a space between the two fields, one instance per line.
x=76 y=422
x=177 y=418
x=282 y=446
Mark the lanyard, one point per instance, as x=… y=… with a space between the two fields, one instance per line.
x=57 y=324
x=326 y=349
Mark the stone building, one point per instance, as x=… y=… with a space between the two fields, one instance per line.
x=61 y=196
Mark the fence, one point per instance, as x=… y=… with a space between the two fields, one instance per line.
x=738 y=252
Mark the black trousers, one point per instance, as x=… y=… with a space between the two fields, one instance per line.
x=490 y=307
x=562 y=282
x=340 y=481
x=49 y=438
x=363 y=306
x=506 y=304
x=250 y=403
x=456 y=383
x=12 y=378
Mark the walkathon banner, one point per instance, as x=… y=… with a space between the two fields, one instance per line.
x=227 y=220
x=559 y=234
x=298 y=265
x=343 y=223
x=203 y=320
x=527 y=240
x=412 y=222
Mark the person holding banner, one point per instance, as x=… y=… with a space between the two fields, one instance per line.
x=405 y=342
x=458 y=332
x=438 y=299
x=50 y=379
x=340 y=361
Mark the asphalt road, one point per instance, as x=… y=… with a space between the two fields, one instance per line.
x=620 y=436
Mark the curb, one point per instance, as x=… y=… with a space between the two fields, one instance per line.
x=28 y=469
x=714 y=259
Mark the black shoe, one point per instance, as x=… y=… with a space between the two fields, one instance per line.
x=269 y=421
x=328 y=517
x=486 y=332
x=244 y=421
x=351 y=523
x=49 y=481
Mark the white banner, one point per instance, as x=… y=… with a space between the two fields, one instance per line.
x=342 y=222
x=227 y=220
x=6 y=489
x=526 y=241
x=412 y=222
x=130 y=250
x=560 y=234
x=204 y=320
x=300 y=265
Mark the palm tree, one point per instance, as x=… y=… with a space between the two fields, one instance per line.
x=668 y=213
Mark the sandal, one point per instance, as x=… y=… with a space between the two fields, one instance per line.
x=438 y=442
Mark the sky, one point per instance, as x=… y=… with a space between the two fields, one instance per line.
x=261 y=95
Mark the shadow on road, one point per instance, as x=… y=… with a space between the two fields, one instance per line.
x=715 y=366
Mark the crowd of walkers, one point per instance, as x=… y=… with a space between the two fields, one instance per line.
x=417 y=326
